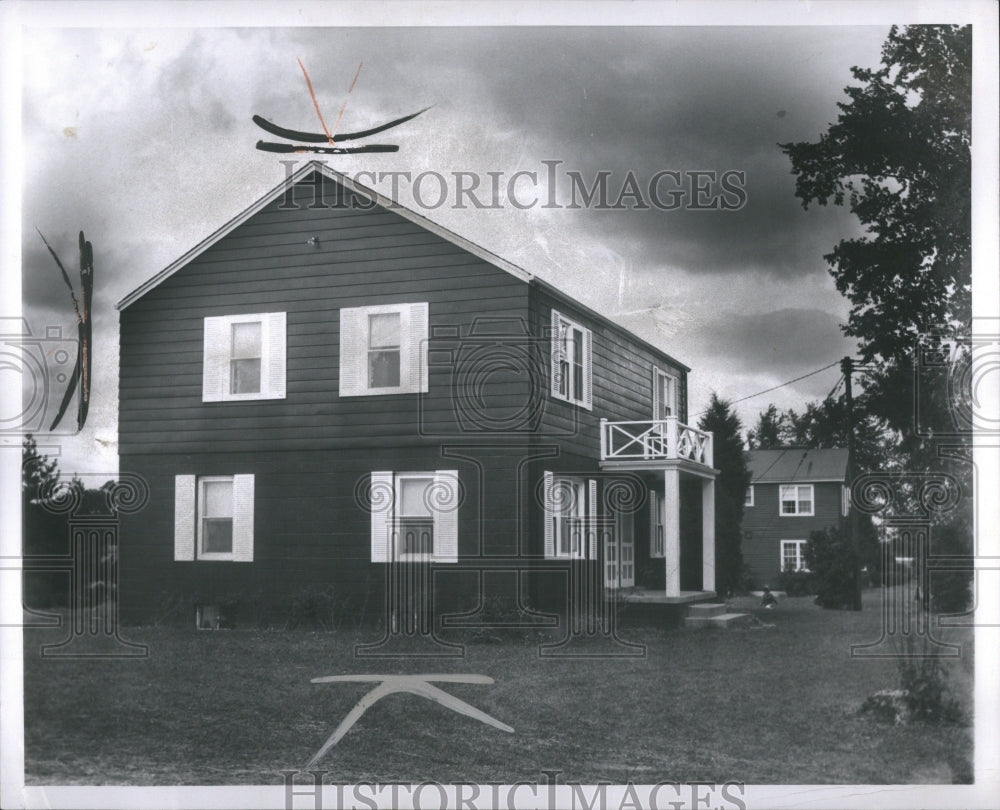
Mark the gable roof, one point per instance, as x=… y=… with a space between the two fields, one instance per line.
x=797 y=465
x=386 y=202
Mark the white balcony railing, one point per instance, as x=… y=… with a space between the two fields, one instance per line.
x=655 y=440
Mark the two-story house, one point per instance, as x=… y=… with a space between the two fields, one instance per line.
x=793 y=492
x=333 y=390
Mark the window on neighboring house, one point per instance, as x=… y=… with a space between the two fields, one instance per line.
x=213 y=517
x=244 y=357
x=570 y=517
x=383 y=349
x=414 y=516
x=796 y=499
x=845 y=498
x=658 y=545
x=793 y=555
x=748 y=498
x=664 y=394
x=572 y=373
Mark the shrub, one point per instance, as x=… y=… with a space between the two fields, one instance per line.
x=831 y=560
x=313 y=606
x=795 y=583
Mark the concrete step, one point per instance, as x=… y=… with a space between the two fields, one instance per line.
x=705 y=609
x=721 y=621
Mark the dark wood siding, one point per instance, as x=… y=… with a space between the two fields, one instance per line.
x=622 y=379
x=364 y=257
x=764 y=528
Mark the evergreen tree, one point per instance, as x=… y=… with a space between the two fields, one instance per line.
x=730 y=491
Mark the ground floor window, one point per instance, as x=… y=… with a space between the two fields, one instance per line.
x=414 y=516
x=793 y=555
x=658 y=536
x=214 y=517
x=570 y=517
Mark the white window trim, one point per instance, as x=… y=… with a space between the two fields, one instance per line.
x=218 y=353
x=748 y=499
x=383 y=521
x=354 y=347
x=800 y=554
x=585 y=398
x=656 y=522
x=812 y=501
x=586 y=512
x=675 y=381
x=198 y=528
x=188 y=499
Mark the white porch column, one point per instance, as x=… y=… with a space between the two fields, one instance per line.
x=672 y=530
x=708 y=534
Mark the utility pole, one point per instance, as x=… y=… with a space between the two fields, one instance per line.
x=847 y=367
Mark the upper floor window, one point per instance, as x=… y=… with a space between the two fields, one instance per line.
x=244 y=357
x=213 y=517
x=383 y=349
x=572 y=372
x=748 y=498
x=796 y=499
x=664 y=394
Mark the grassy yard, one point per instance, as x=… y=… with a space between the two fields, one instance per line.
x=776 y=704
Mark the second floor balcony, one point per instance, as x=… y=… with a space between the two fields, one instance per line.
x=655 y=440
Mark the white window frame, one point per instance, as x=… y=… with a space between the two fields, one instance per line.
x=797 y=512
x=445 y=502
x=355 y=342
x=748 y=498
x=584 y=505
x=673 y=384
x=845 y=500
x=800 y=554
x=562 y=345
x=189 y=500
x=218 y=356
x=657 y=528
x=396 y=551
x=200 y=516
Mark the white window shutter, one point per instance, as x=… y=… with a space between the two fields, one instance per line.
x=445 y=501
x=556 y=355
x=549 y=531
x=656 y=393
x=243 y=518
x=654 y=520
x=215 y=368
x=353 y=353
x=413 y=359
x=274 y=324
x=592 y=519
x=382 y=499
x=184 y=517
x=587 y=400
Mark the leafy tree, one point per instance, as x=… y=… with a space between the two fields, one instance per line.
x=770 y=432
x=899 y=156
x=730 y=491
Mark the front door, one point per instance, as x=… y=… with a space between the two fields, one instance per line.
x=619 y=553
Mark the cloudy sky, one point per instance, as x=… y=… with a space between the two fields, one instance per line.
x=143 y=138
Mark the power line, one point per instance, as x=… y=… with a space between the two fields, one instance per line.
x=776 y=387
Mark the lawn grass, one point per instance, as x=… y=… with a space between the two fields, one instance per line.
x=772 y=705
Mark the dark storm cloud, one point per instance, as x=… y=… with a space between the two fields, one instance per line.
x=781 y=342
